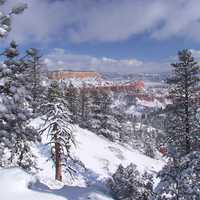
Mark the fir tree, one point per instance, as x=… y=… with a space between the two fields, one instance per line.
x=128 y=184
x=84 y=106
x=102 y=119
x=179 y=179
x=59 y=129
x=182 y=125
x=15 y=113
x=121 y=124
x=71 y=96
x=36 y=76
x=107 y=121
x=5 y=19
x=95 y=111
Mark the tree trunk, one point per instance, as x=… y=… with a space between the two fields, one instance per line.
x=34 y=84
x=187 y=123
x=58 y=174
x=83 y=108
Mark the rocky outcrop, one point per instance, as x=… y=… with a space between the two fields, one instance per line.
x=61 y=75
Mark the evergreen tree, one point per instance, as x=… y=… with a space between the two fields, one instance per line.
x=179 y=179
x=182 y=125
x=59 y=129
x=107 y=121
x=128 y=184
x=5 y=19
x=95 y=111
x=121 y=124
x=71 y=96
x=84 y=106
x=15 y=134
x=102 y=119
x=36 y=76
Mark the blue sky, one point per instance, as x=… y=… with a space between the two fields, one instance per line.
x=109 y=35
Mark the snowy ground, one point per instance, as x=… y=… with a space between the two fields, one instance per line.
x=100 y=157
x=14 y=186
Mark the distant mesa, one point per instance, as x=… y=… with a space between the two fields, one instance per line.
x=68 y=74
x=96 y=81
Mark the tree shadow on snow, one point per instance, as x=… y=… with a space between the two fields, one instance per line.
x=75 y=192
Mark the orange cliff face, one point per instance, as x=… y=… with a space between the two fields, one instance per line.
x=61 y=75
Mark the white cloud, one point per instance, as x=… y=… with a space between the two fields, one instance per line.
x=106 y=20
x=182 y=18
x=60 y=59
x=43 y=21
x=118 y=20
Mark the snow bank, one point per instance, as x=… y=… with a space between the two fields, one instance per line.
x=14 y=186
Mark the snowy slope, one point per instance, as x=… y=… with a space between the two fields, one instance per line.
x=100 y=157
x=14 y=186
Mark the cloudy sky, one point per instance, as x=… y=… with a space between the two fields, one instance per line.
x=108 y=35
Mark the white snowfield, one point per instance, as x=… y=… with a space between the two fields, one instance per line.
x=103 y=157
x=100 y=157
x=14 y=186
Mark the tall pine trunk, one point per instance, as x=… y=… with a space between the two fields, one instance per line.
x=187 y=117
x=58 y=174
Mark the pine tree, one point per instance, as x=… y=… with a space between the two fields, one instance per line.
x=182 y=124
x=36 y=76
x=121 y=124
x=15 y=113
x=95 y=111
x=128 y=184
x=5 y=19
x=84 y=106
x=107 y=121
x=102 y=119
x=179 y=179
x=59 y=129
x=71 y=96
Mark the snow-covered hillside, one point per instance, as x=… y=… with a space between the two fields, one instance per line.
x=100 y=157
x=14 y=186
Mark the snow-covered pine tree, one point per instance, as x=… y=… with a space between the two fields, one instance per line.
x=5 y=19
x=182 y=124
x=128 y=184
x=102 y=119
x=108 y=123
x=95 y=111
x=121 y=124
x=59 y=129
x=134 y=121
x=71 y=96
x=120 y=121
x=148 y=140
x=15 y=134
x=179 y=179
x=84 y=107
x=36 y=77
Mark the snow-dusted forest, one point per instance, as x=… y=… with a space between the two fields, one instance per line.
x=98 y=135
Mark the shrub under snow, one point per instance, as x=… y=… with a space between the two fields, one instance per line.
x=128 y=184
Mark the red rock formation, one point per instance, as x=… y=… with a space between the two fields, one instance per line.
x=61 y=75
x=126 y=87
